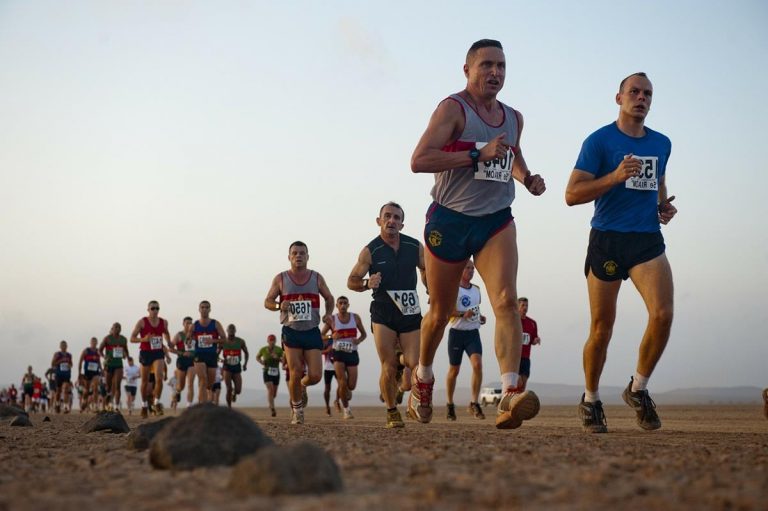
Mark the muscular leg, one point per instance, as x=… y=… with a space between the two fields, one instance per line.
x=295 y=358
x=450 y=382
x=191 y=374
x=237 y=378
x=327 y=396
x=653 y=279
x=497 y=264
x=159 y=370
x=314 y=361
x=384 y=338
x=443 y=283
x=228 y=386
x=201 y=371
x=117 y=380
x=211 y=373
x=476 y=360
x=271 y=394
x=602 y=308
x=341 y=379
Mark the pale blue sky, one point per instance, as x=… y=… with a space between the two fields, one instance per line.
x=173 y=150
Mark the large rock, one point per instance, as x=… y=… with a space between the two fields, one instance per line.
x=21 y=420
x=299 y=468
x=112 y=422
x=206 y=435
x=9 y=411
x=140 y=437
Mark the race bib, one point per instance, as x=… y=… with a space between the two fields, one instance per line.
x=301 y=310
x=526 y=339
x=64 y=367
x=92 y=366
x=156 y=343
x=204 y=341
x=498 y=169
x=117 y=352
x=406 y=301
x=475 y=314
x=647 y=180
x=345 y=346
x=233 y=360
x=273 y=371
x=189 y=344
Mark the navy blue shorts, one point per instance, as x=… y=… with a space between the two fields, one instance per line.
x=348 y=358
x=460 y=341
x=273 y=379
x=525 y=367
x=130 y=389
x=611 y=254
x=62 y=378
x=454 y=237
x=234 y=369
x=387 y=314
x=210 y=360
x=184 y=363
x=302 y=339
x=147 y=358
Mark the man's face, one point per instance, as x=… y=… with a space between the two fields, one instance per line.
x=94 y=342
x=343 y=305
x=390 y=220
x=522 y=307
x=187 y=323
x=486 y=71
x=298 y=256
x=271 y=341
x=634 y=99
x=154 y=309
x=469 y=271
x=63 y=345
x=115 y=330
x=205 y=309
x=231 y=330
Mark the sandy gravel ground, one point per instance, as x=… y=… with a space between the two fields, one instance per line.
x=703 y=458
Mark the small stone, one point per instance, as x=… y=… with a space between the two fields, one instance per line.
x=112 y=422
x=140 y=437
x=296 y=469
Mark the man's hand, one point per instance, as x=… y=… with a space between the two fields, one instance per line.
x=666 y=210
x=535 y=184
x=496 y=148
x=375 y=281
x=629 y=167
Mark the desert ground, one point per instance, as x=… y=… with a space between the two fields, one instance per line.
x=704 y=457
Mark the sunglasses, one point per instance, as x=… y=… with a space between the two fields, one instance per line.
x=154 y=308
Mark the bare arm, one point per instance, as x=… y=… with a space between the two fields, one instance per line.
x=80 y=363
x=221 y=332
x=247 y=355
x=271 y=301
x=361 y=328
x=422 y=267
x=135 y=334
x=583 y=187
x=102 y=346
x=363 y=264
x=325 y=293
x=666 y=210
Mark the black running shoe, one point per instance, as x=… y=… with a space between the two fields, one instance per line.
x=451 y=415
x=644 y=407
x=592 y=417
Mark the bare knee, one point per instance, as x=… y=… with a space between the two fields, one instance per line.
x=662 y=316
x=505 y=304
x=453 y=371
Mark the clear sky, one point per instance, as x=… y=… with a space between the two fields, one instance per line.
x=173 y=150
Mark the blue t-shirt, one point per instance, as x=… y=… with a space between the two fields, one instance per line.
x=631 y=206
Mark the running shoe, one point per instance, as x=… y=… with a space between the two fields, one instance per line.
x=348 y=414
x=592 y=417
x=420 y=400
x=297 y=415
x=516 y=407
x=328 y=411
x=158 y=409
x=451 y=413
x=337 y=404
x=144 y=412
x=273 y=412
x=394 y=420
x=644 y=407
x=475 y=411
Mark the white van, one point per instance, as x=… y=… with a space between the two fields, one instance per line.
x=490 y=395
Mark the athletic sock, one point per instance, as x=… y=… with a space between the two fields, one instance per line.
x=296 y=406
x=591 y=397
x=509 y=381
x=392 y=409
x=424 y=373
x=639 y=382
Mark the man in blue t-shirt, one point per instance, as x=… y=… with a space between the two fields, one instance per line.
x=622 y=167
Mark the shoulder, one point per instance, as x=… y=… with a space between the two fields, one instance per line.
x=658 y=137
x=409 y=241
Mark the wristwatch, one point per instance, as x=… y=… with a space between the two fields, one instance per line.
x=365 y=283
x=475 y=155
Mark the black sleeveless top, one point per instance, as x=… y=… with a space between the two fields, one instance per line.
x=398 y=269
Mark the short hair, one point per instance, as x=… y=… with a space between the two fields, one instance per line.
x=205 y=301
x=297 y=244
x=639 y=73
x=522 y=299
x=482 y=43
x=186 y=318
x=342 y=297
x=394 y=205
x=151 y=302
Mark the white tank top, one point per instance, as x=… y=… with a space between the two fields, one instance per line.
x=347 y=333
x=467 y=299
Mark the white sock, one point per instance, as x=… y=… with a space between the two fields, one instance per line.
x=424 y=373
x=509 y=381
x=143 y=403
x=591 y=397
x=639 y=382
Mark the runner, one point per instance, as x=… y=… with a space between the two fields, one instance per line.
x=346 y=326
x=232 y=350
x=114 y=348
x=62 y=363
x=13 y=394
x=150 y=332
x=37 y=394
x=296 y=295
x=50 y=379
x=329 y=372
x=89 y=367
x=391 y=260
x=132 y=377
x=27 y=387
x=172 y=382
x=271 y=357
x=622 y=168
x=472 y=146
x=464 y=336
x=208 y=335
x=530 y=338
x=183 y=345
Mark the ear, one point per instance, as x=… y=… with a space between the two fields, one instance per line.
x=378 y=221
x=466 y=70
x=618 y=98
